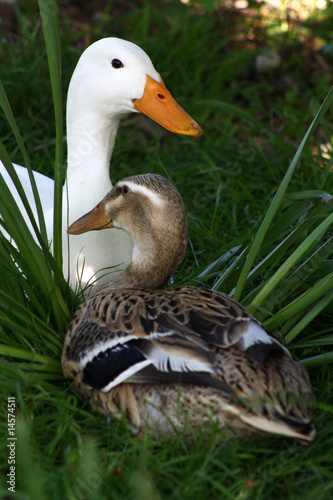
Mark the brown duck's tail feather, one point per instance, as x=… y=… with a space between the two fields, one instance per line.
x=285 y=426
x=306 y=429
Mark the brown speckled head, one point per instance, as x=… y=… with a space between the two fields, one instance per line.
x=151 y=210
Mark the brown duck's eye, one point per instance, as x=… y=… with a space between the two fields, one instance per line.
x=117 y=64
x=125 y=189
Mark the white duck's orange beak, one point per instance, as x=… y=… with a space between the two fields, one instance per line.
x=94 y=220
x=158 y=104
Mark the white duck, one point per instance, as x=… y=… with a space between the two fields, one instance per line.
x=112 y=78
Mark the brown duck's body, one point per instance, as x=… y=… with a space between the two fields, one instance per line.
x=174 y=359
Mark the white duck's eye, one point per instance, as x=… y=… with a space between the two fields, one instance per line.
x=117 y=64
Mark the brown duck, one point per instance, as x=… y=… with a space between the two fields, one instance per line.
x=176 y=358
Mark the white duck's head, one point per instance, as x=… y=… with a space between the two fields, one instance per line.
x=114 y=77
x=150 y=209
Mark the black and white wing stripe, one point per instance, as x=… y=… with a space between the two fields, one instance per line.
x=114 y=362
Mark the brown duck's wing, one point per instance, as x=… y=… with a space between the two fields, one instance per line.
x=122 y=335
x=145 y=361
x=110 y=341
x=214 y=319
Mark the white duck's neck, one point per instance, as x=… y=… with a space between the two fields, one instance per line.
x=90 y=141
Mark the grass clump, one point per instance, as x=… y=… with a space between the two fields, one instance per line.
x=258 y=185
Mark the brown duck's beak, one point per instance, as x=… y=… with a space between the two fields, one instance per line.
x=158 y=104
x=94 y=220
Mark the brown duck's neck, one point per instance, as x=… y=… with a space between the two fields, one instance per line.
x=154 y=259
x=152 y=274
x=143 y=276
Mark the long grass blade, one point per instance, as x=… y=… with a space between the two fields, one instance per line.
x=276 y=202
x=50 y=22
x=13 y=352
x=301 y=303
x=37 y=260
x=8 y=164
x=318 y=360
x=292 y=260
x=313 y=313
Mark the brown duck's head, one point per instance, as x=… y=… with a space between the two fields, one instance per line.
x=151 y=210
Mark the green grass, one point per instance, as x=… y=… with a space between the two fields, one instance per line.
x=258 y=194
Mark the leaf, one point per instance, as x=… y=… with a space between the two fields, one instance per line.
x=50 y=22
x=292 y=260
x=276 y=202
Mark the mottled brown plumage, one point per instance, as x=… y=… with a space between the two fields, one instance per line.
x=177 y=356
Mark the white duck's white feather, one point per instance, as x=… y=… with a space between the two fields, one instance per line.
x=97 y=98
x=45 y=187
